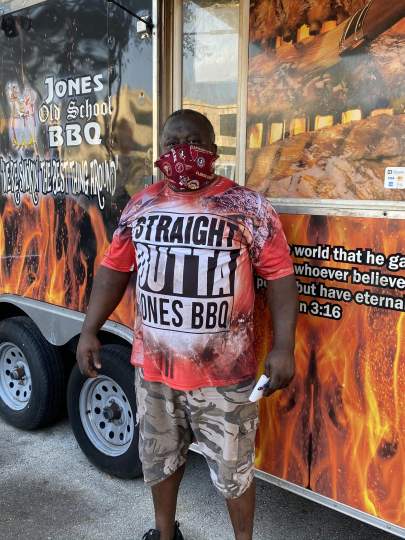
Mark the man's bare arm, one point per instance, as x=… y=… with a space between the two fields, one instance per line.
x=108 y=289
x=280 y=364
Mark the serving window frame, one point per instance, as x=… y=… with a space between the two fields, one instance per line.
x=340 y=207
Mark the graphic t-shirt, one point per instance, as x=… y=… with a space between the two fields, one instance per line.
x=195 y=254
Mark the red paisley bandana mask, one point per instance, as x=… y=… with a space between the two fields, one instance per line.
x=187 y=167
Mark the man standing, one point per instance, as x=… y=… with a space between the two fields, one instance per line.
x=194 y=241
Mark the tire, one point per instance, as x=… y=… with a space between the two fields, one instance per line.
x=36 y=399
x=111 y=444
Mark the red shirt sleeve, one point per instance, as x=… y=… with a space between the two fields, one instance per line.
x=272 y=260
x=120 y=255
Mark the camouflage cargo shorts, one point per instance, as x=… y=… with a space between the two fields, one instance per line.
x=222 y=420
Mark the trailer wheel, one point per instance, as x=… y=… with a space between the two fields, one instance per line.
x=102 y=413
x=32 y=376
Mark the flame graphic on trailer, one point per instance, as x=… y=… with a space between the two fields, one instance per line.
x=53 y=253
x=339 y=429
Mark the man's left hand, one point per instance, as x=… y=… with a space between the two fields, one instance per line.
x=280 y=367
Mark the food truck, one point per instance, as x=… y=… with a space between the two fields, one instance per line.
x=307 y=99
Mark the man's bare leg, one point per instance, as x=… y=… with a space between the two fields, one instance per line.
x=165 y=501
x=241 y=511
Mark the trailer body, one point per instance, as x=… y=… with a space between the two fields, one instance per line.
x=318 y=125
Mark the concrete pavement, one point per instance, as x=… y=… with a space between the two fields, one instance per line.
x=49 y=491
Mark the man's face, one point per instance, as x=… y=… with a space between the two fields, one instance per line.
x=187 y=129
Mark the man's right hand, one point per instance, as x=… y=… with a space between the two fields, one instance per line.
x=88 y=355
x=108 y=289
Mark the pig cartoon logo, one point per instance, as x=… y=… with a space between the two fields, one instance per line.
x=22 y=124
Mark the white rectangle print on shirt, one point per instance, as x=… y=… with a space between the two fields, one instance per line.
x=186 y=271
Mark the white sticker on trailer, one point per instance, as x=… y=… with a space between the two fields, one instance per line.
x=394 y=178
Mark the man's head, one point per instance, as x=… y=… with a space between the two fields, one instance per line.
x=188 y=126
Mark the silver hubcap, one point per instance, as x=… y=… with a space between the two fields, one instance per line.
x=15 y=377
x=106 y=415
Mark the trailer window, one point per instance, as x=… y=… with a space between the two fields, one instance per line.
x=210 y=70
x=322 y=125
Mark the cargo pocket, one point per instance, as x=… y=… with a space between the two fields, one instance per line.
x=231 y=443
x=249 y=425
x=247 y=440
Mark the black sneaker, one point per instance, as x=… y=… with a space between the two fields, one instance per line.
x=177 y=532
x=154 y=534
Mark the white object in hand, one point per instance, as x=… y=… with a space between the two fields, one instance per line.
x=257 y=392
